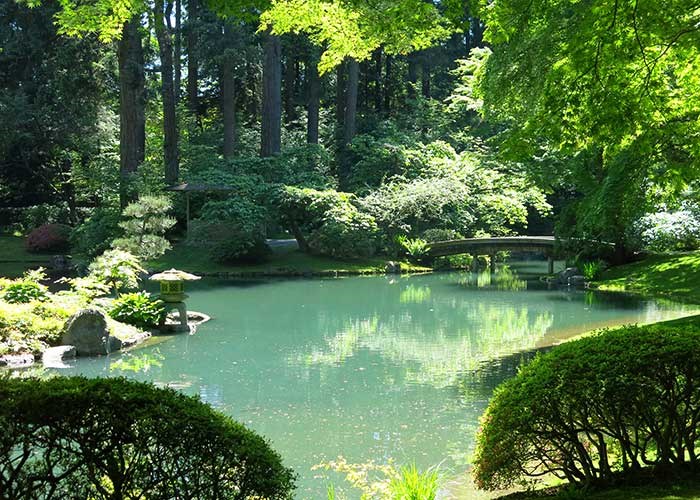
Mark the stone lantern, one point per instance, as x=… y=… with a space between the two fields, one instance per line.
x=172 y=293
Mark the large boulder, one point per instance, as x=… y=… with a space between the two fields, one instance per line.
x=87 y=330
x=563 y=278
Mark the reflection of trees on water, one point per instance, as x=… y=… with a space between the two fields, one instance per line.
x=431 y=352
x=504 y=280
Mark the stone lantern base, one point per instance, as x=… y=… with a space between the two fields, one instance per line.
x=181 y=308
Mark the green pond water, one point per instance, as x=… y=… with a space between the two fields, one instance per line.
x=367 y=368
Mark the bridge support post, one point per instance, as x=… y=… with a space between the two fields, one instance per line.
x=475 y=263
x=550 y=265
x=492 y=263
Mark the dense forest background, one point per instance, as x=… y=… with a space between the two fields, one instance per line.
x=351 y=125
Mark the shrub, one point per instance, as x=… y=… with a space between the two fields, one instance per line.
x=233 y=230
x=138 y=309
x=669 y=230
x=146 y=221
x=22 y=292
x=435 y=235
x=415 y=248
x=96 y=233
x=47 y=213
x=345 y=232
x=591 y=408
x=49 y=238
x=113 y=438
x=31 y=327
x=328 y=222
x=26 y=289
x=117 y=269
x=592 y=269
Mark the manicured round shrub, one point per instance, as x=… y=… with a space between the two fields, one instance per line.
x=590 y=409
x=114 y=438
x=49 y=238
x=138 y=309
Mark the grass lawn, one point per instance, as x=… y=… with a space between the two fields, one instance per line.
x=14 y=258
x=688 y=488
x=675 y=276
x=282 y=261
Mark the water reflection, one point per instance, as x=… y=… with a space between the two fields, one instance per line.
x=366 y=368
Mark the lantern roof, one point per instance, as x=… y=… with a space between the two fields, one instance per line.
x=174 y=275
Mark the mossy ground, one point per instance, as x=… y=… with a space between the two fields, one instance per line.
x=675 y=276
x=15 y=259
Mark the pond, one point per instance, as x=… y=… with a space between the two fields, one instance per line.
x=367 y=368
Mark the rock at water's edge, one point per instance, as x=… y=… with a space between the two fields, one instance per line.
x=87 y=330
x=392 y=267
x=564 y=276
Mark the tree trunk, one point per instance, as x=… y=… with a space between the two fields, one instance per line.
x=412 y=76
x=162 y=28
x=290 y=76
x=388 y=87
x=349 y=124
x=228 y=95
x=377 y=79
x=477 y=29
x=340 y=95
x=178 y=48
x=271 y=129
x=251 y=96
x=314 y=98
x=132 y=104
x=425 y=76
x=192 y=63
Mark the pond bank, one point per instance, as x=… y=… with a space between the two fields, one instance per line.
x=674 y=276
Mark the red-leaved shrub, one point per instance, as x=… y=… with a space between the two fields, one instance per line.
x=49 y=237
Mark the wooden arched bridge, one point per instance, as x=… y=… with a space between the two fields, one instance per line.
x=490 y=246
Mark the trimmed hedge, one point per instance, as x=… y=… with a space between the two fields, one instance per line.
x=594 y=408
x=115 y=438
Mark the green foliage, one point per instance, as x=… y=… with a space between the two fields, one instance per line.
x=355 y=29
x=32 y=318
x=669 y=230
x=138 y=309
x=594 y=407
x=602 y=97
x=464 y=192
x=25 y=289
x=345 y=232
x=591 y=270
x=233 y=230
x=50 y=90
x=327 y=222
x=49 y=238
x=384 y=481
x=159 y=441
x=415 y=248
x=117 y=269
x=96 y=233
x=145 y=223
x=412 y=484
